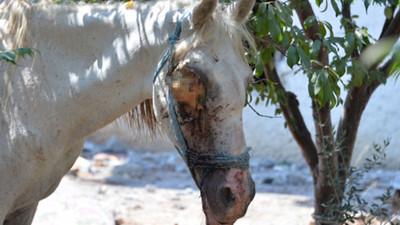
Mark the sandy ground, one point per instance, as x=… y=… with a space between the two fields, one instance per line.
x=92 y=203
x=137 y=187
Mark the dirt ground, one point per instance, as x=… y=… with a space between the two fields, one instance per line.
x=92 y=203
x=111 y=186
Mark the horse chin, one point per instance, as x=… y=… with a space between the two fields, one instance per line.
x=211 y=218
x=226 y=194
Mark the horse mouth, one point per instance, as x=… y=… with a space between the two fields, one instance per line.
x=225 y=223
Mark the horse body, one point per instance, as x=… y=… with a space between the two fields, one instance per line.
x=95 y=63
x=89 y=68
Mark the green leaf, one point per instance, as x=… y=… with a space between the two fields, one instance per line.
x=309 y=22
x=278 y=111
x=274 y=27
x=262 y=7
x=292 y=56
x=319 y=2
x=265 y=55
x=395 y=67
x=311 y=82
x=8 y=56
x=315 y=48
x=24 y=51
x=366 y=4
x=262 y=25
x=305 y=60
x=259 y=69
x=286 y=39
x=322 y=80
x=329 y=26
x=359 y=37
x=341 y=66
x=388 y=12
x=318 y=85
x=284 y=13
x=335 y=7
x=329 y=46
x=377 y=76
x=349 y=44
x=322 y=29
x=11 y=55
x=358 y=74
x=322 y=85
x=281 y=95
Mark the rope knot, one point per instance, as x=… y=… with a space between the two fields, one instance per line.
x=173 y=39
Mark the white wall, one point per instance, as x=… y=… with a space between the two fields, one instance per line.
x=381 y=120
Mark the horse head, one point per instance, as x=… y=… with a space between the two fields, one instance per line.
x=198 y=99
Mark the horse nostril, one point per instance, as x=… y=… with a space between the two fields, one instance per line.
x=227 y=197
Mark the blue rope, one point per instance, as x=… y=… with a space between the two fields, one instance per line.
x=194 y=159
x=175 y=124
x=173 y=39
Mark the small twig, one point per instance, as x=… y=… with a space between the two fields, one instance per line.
x=259 y=114
x=262 y=80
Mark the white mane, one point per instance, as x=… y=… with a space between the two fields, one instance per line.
x=14 y=21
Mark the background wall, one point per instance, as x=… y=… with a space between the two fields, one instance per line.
x=268 y=137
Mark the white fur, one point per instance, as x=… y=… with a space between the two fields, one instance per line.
x=95 y=64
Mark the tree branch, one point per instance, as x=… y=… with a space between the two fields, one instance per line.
x=304 y=10
x=393 y=29
x=322 y=115
x=387 y=22
x=346 y=12
x=353 y=108
x=358 y=98
x=295 y=121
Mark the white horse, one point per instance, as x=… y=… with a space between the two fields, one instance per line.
x=96 y=63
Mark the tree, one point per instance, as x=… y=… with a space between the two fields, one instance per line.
x=324 y=57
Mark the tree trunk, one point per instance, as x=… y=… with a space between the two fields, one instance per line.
x=328 y=157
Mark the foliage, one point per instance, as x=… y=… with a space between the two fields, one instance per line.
x=275 y=31
x=11 y=55
x=354 y=206
x=395 y=70
x=351 y=62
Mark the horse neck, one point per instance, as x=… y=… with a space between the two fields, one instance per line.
x=105 y=57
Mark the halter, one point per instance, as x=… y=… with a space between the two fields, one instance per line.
x=193 y=159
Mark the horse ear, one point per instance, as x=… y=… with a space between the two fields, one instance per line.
x=242 y=9
x=203 y=13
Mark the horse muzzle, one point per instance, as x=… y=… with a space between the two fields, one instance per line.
x=226 y=195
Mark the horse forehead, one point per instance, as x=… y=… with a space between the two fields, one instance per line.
x=219 y=63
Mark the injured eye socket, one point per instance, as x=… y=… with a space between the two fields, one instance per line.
x=187 y=87
x=189 y=91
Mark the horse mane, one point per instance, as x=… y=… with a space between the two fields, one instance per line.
x=16 y=14
x=14 y=21
x=221 y=26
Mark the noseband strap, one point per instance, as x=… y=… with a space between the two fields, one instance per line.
x=193 y=159
x=218 y=160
